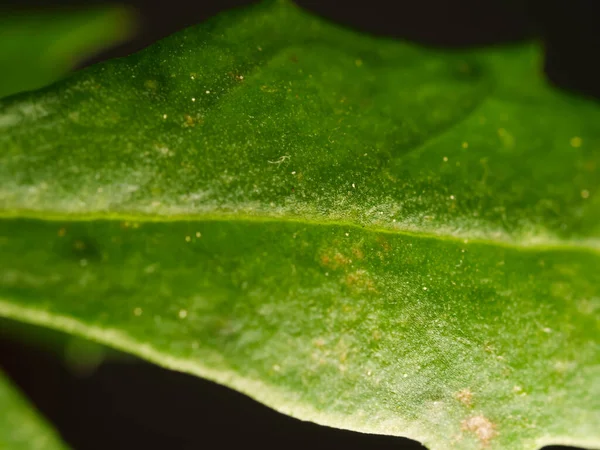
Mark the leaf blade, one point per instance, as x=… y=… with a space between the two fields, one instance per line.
x=251 y=307
x=277 y=186
x=242 y=177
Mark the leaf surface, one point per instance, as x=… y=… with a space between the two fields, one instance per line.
x=355 y=231
x=20 y=427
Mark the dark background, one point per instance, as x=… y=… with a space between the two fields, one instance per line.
x=127 y=403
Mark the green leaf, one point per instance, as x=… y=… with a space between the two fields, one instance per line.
x=355 y=231
x=20 y=427
x=36 y=48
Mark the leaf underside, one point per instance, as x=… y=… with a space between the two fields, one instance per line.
x=355 y=231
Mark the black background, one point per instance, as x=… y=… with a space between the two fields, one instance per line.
x=135 y=405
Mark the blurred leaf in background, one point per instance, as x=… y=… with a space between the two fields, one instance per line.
x=20 y=426
x=37 y=47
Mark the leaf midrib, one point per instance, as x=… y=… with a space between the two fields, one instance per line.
x=539 y=244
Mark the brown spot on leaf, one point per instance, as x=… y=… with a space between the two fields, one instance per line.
x=465 y=396
x=481 y=427
x=192 y=121
x=360 y=280
x=358 y=253
x=236 y=76
x=334 y=260
x=325 y=260
x=189 y=121
x=341 y=260
x=384 y=243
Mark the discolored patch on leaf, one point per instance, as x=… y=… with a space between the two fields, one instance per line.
x=481 y=427
x=465 y=396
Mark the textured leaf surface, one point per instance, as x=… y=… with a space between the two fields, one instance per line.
x=36 y=48
x=354 y=231
x=20 y=427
